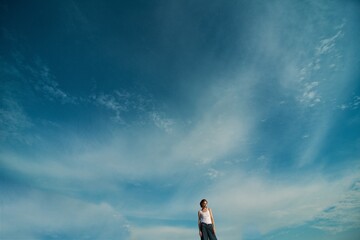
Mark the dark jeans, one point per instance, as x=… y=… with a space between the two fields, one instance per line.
x=207 y=232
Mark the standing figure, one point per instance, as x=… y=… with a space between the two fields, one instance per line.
x=206 y=222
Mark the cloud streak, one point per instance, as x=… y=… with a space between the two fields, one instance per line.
x=33 y=215
x=13 y=122
x=246 y=127
x=342 y=215
x=269 y=206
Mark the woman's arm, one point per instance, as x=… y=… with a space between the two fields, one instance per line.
x=199 y=224
x=212 y=220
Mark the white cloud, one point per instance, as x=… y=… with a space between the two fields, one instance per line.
x=310 y=94
x=37 y=75
x=121 y=103
x=221 y=126
x=309 y=152
x=316 y=89
x=329 y=44
x=163 y=232
x=163 y=123
x=240 y=200
x=111 y=103
x=225 y=119
x=353 y=104
x=356 y=102
x=305 y=136
x=13 y=121
x=132 y=109
x=46 y=84
x=212 y=173
x=210 y=140
x=51 y=89
x=342 y=215
x=33 y=215
x=312 y=75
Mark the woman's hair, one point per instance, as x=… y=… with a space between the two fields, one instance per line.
x=202 y=201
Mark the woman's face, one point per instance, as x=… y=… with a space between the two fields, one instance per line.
x=204 y=204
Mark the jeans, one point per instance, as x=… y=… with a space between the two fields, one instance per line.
x=207 y=232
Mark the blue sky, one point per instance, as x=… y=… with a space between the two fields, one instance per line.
x=118 y=117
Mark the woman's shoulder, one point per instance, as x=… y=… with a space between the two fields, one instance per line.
x=201 y=211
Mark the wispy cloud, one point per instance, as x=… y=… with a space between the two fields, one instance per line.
x=125 y=107
x=163 y=123
x=312 y=81
x=310 y=95
x=270 y=205
x=118 y=106
x=251 y=142
x=37 y=75
x=34 y=80
x=32 y=214
x=312 y=75
x=342 y=215
x=220 y=127
x=131 y=108
x=212 y=173
x=13 y=121
x=46 y=84
x=76 y=20
x=353 y=104
x=329 y=44
x=163 y=232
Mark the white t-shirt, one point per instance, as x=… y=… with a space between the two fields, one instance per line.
x=205 y=217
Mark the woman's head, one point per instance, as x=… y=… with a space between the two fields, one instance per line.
x=203 y=203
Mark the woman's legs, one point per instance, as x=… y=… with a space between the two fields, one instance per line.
x=204 y=232
x=207 y=232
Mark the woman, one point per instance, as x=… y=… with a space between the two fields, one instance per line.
x=206 y=222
